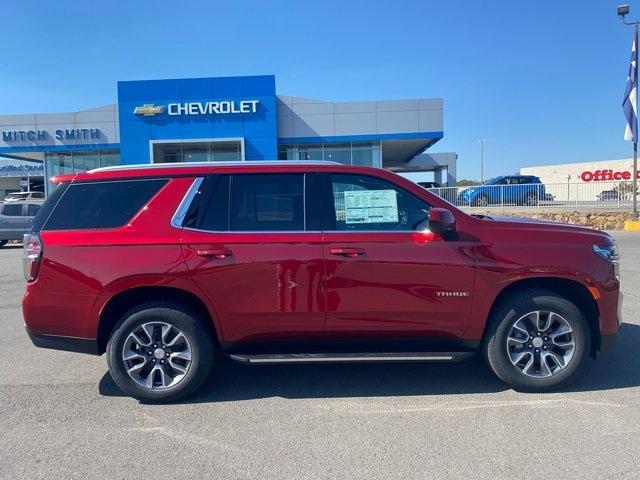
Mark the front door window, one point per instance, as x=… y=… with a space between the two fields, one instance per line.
x=363 y=203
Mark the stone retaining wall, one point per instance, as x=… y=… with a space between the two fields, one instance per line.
x=600 y=220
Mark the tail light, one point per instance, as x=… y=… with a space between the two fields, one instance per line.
x=31 y=256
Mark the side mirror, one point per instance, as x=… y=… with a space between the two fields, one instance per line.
x=442 y=221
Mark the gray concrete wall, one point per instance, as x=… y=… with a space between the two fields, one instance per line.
x=303 y=117
x=437 y=163
x=104 y=119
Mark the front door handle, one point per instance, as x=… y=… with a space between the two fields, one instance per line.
x=347 y=252
x=217 y=253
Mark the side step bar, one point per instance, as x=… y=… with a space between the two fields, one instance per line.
x=351 y=357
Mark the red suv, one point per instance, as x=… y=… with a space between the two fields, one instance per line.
x=165 y=267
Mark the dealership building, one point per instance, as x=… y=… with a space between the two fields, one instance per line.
x=584 y=172
x=228 y=119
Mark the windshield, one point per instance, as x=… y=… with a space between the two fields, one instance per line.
x=493 y=181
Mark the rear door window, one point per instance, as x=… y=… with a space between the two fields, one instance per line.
x=210 y=209
x=270 y=202
x=267 y=202
x=12 y=210
x=94 y=205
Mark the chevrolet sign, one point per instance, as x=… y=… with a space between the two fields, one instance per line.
x=199 y=108
x=220 y=108
x=148 y=110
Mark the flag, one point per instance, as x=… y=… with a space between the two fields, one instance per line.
x=631 y=94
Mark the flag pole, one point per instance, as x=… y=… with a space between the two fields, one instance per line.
x=635 y=139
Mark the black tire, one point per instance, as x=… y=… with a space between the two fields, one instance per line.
x=531 y=200
x=3 y=243
x=500 y=324
x=481 y=201
x=195 y=330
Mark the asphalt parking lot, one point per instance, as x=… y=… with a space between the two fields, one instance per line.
x=61 y=416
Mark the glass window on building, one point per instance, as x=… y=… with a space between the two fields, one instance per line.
x=84 y=161
x=362 y=154
x=195 y=152
x=226 y=152
x=109 y=158
x=75 y=161
x=338 y=152
x=218 y=151
x=310 y=152
x=288 y=152
x=348 y=153
x=58 y=163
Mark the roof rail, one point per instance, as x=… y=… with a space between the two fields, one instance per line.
x=213 y=164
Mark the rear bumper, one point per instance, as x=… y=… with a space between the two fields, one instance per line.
x=69 y=344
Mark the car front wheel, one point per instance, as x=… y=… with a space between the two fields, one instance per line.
x=160 y=352
x=536 y=341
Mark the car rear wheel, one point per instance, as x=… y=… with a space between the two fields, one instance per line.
x=160 y=352
x=531 y=200
x=536 y=341
x=481 y=201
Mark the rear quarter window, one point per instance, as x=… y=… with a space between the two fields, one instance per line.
x=94 y=205
x=32 y=209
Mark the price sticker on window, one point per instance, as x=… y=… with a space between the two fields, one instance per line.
x=371 y=206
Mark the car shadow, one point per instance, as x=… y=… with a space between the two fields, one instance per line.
x=11 y=246
x=230 y=381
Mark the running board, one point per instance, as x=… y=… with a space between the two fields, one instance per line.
x=351 y=357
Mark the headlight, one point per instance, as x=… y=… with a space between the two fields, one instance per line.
x=610 y=254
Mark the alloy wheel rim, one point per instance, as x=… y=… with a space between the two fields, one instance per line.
x=156 y=355
x=541 y=344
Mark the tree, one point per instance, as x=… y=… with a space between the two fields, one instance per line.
x=467 y=183
x=625 y=190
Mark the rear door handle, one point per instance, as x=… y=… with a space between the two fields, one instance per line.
x=347 y=252
x=217 y=253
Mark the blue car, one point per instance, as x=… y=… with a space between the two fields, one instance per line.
x=515 y=189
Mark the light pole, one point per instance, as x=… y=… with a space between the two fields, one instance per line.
x=623 y=10
x=481 y=142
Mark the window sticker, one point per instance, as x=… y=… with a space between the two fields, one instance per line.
x=371 y=206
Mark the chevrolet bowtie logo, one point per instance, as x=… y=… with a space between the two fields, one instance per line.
x=149 y=110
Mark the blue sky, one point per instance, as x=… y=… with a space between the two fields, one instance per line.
x=542 y=80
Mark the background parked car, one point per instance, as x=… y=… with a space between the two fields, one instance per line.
x=428 y=185
x=22 y=196
x=514 y=189
x=609 y=196
x=16 y=218
x=447 y=193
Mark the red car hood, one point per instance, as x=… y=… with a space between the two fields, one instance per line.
x=519 y=222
